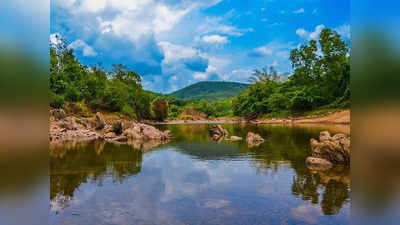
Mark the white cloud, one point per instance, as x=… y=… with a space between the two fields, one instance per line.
x=173 y=53
x=82 y=46
x=264 y=20
x=301 y=32
x=215 y=39
x=264 y=50
x=231 y=30
x=299 y=11
x=344 y=31
x=166 y=18
x=310 y=35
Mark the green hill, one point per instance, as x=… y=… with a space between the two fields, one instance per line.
x=210 y=90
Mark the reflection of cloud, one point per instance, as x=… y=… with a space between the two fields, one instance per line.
x=306 y=213
x=216 y=203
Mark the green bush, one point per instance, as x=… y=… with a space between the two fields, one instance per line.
x=56 y=101
x=128 y=111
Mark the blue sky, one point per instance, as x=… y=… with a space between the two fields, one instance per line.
x=174 y=43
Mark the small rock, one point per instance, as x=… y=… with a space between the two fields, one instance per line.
x=218 y=132
x=236 y=138
x=254 y=140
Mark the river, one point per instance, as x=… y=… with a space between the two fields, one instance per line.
x=194 y=180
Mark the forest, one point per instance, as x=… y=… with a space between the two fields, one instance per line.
x=320 y=80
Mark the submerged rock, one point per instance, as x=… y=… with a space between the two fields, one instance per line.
x=334 y=149
x=254 y=140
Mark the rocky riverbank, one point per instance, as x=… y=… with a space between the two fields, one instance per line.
x=65 y=127
x=342 y=118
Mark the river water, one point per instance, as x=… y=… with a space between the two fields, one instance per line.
x=194 y=180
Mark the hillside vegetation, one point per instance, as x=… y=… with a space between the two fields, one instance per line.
x=210 y=90
x=320 y=81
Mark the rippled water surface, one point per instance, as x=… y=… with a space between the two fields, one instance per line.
x=194 y=180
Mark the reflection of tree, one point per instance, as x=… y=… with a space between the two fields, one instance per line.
x=283 y=144
x=70 y=167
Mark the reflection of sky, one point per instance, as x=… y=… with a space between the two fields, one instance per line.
x=173 y=187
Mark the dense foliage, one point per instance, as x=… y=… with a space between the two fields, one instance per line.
x=118 y=90
x=210 y=90
x=321 y=79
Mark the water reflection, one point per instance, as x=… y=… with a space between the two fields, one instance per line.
x=194 y=180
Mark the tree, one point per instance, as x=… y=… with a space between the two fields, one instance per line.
x=160 y=110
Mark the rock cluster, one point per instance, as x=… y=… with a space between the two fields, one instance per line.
x=70 y=128
x=329 y=151
x=218 y=133
x=254 y=140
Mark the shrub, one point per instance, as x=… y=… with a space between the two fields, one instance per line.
x=56 y=101
x=128 y=111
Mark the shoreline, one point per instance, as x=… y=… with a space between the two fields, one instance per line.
x=337 y=118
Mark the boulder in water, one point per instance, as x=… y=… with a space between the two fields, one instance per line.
x=334 y=149
x=218 y=132
x=254 y=140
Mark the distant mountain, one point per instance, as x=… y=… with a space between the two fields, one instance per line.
x=210 y=90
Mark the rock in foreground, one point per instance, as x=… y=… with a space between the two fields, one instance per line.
x=335 y=150
x=254 y=140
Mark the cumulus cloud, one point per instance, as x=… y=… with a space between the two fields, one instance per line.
x=274 y=48
x=344 y=31
x=301 y=32
x=260 y=52
x=80 y=45
x=299 y=11
x=215 y=39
